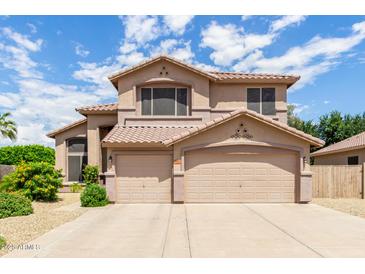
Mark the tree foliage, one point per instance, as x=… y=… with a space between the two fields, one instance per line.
x=331 y=128
x=7 y=126
x=14 y=155
x=36 y=181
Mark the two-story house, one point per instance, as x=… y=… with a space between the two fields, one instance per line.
x=181 y=134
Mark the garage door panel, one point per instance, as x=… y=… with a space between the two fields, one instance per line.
x=227 y=177
x=144 y=178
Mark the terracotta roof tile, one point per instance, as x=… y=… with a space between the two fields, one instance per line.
x=354 y=142
x=113 y=107
x=252 y=76
x=170 y=135
x=141 y=134
x=69 y=126
x=213 y=75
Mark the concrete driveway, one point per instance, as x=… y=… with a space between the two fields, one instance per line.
x=205 y=230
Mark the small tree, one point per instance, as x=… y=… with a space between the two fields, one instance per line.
x=91 y=174
x=7 y=127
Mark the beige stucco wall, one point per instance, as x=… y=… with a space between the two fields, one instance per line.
x=225 y=96
x=339 y=158
x=93 y=135
x=61 y=148
x=206 y=95
x=127 y=85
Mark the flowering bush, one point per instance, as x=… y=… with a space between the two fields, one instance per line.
x=36 y=181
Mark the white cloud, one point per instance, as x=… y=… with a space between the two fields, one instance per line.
x=286 y=21
x=326 y=102
x=246 y=17
x=32 y=28
x=177 y=23
x=317 y=56
x=140 y=29
x=179 y=49
x=299 y=108
x=22 y=40
x=230 y=43
x=80 y=50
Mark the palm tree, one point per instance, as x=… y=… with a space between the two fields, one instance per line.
x=7 y=126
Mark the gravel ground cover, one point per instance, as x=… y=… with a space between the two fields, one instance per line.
x=22 y=229
x=354 y=207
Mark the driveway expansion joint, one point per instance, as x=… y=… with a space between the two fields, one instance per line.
x=283 y=230
x=187 y=230
x=167 y=231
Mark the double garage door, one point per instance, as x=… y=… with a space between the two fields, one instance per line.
x=211 y=176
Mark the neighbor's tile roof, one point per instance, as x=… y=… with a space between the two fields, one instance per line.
x=113 y=107
x=171 y=135
x=354 y=142
x=67 y=127
x=252 y=76
x=141 y=134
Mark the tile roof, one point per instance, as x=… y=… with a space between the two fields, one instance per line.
x=141 y=134
x=171 y=135
x=213 y=75
x=113 y=107
x=53 y=133
x=252 y=76
x=229 y=116
x=354 y=142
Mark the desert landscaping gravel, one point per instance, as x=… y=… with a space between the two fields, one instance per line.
x=46 y=216
x=354 y=207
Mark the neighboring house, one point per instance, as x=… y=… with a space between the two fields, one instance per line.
x=350 y=151
x=181 y=134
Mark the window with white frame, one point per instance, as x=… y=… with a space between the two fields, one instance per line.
x=261 y=100
x=164 y=101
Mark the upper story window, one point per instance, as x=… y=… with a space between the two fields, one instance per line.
x=164 y=101
x=261 y=100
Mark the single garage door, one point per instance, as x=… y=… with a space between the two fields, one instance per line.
x=251 y=174
x=144 y=178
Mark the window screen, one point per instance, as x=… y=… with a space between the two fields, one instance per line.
x=163 y=101
x=146 y=101
x=77 y=145
x=353 y=160
x=182 y=100
x=268 y=101
x=253 y=99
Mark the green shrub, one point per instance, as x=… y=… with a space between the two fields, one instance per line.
x=94 y=195
x=14 y=155
x=2 y=242
x=75 y=187
x=37 y=181
x=12 y=204
x=91 y=174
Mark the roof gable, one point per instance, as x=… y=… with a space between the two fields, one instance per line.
x=114 y=77
x=53 y=133
x=243 y=111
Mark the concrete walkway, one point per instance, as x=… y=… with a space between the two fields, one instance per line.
x=205 y=230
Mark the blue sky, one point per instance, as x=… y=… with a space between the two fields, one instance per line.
x=51 y=64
